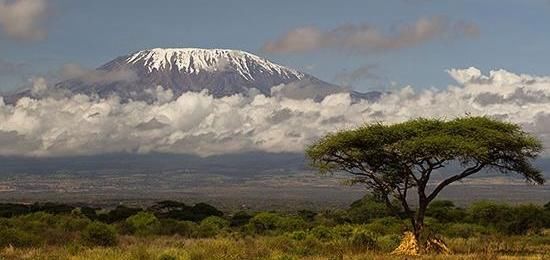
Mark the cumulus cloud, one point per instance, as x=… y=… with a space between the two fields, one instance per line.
x=197 y=123
x=23 y=19
x=367 y=38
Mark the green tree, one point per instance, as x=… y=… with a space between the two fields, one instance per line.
x=99 y=234
x=143 y=223
x=391 y=160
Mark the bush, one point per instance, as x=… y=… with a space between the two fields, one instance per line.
x=526 y=219
x=239 y=219
x=366 y=209
x=211 y=226
x=173 y=227
x=17 y=238
x=489 y=213
x=120 y=213
x=321 y=233
x=290 y=223
x=386 y=226
x=445 y=211
x=264 y=222
x=363 y=239
x=99 y=234
x=143 y=223
x=388 y=243
x=464 y=230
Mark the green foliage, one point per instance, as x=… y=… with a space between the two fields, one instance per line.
x=99 y=234
x=211 y=226
x=501 y=146
x=265 y=222
x=464 y=230
x=239 y=219
x=173 y=227
x=391 y=160
x=274 y=234
x=363 y=239
x=322 y=233
x=445 y=211
x=119 y=213
x=386 y=226
x=516 y=220
x=488 y=213
x=367 y=209
x=143 y=223
x=180 y=211
x=527 y=219
x=388 y=243
x=15 y=237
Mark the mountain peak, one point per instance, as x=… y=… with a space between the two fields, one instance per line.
x=221 y=72
x=195 y=60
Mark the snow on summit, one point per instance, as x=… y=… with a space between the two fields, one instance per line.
x=194 y=60
x=173 y=71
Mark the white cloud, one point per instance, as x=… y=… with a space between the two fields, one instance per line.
x=197 y=123
x=23 y=19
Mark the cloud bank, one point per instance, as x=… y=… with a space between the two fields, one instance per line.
x=197 y=123
x=367 y=38
x=23 y=19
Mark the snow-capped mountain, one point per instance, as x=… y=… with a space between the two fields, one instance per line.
x=220 y=71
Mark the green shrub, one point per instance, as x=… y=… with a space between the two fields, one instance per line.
x=211 y=226
x=321 y=233
x=445 y=211
x=142 y=223
x=526 y=219
x=17 y=238
x=388 y=243
x=363 y=239
x=366 y=209
x=99 y=234
x=464 y=230
x=343 y=231
x=239 y=219
x=298 y=235
x=489 y=213
x=263 y=222
x=173 y=227
x=386 y=226
x=290 y=223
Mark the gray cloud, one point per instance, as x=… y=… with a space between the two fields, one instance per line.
x=23 y=19
x=91 y=76
x=348 y=78
x=366 y=38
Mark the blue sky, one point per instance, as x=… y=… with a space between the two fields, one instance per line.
x=513 y=35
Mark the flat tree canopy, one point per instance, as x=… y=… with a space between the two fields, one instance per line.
x=392 y=160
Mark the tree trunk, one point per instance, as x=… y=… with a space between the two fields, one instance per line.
x=419 y=219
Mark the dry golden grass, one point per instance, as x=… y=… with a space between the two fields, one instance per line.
x=168 y=248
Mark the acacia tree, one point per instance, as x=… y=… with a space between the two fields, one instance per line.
x=393 y=161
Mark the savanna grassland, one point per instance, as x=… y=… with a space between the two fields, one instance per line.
x=173 y=230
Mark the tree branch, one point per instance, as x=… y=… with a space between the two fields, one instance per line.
x=464 y=174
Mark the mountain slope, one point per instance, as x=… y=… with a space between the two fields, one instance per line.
x=222 y=72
